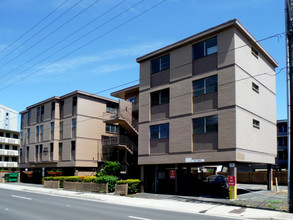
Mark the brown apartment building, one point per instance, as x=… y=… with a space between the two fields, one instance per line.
x=209 y=99
x=69 y=133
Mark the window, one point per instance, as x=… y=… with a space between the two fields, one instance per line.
x=112 y=108
x=73 y=150
x=0 y=146
x=74 y=101
x=254 y=52
x=8 y=135
x=60 y=151
x=160 y=97
x=21 y=136
x=42 y=110
x=111 y=128
x=28 y=132
x=160 y=64
x=38 y=130
x=51 y=147
x=205 y=86
x=27 y=153
x=42 y=129
x=15 y=136
x=205 y=125
x=205 y=48
x=52 y=126
x=255 y=87
x=1 y=134
x=255 y=123
x=159 y=131
x=41 y=152
x=29 y=116
x=73 y=123
x=22 y=121
x=37 y=152
x=14 y=159
x=14 y=147
x=6 y=147
x=52 y=106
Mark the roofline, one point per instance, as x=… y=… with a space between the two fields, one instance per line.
x=8 y=109
x=76 y=92
x=1 y=129
x=211 y=31
x=282 y=121
x=125 y=89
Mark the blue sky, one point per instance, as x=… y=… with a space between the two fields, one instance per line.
x=92 y=51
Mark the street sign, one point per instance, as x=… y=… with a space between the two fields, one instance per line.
x=172 y=174
x=231 y=180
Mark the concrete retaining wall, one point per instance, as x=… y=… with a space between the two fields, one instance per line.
x=51 y=184
x=85 y=187
x=121 y=189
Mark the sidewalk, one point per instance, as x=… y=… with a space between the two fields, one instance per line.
x=207 y=206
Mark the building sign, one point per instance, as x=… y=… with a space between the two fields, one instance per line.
x=172 y=174
x=231 y=180
x=45 y=151
x=190 y=160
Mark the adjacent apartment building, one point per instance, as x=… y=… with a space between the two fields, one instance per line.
x=282 y=142
x=209 y=99
x=9 y=139
x=66 y=133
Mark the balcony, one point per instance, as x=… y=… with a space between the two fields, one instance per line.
x=119 y=142
x=8 y=164
x=8 y=152
x=124 y=119
x=9 y=140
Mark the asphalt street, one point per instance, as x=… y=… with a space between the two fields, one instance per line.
x=16 y=205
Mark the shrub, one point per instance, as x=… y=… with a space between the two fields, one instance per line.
x=71 y=179
x=111 y=180
x=133 y=185
x=111 y=168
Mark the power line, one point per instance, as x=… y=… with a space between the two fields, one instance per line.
x=44 y=28
x=56 y=29
x=34 y=26
x=68 y=36
x=86 y=44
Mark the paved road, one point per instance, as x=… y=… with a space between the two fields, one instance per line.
x=16 y=205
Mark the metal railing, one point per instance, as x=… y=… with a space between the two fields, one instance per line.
x=119 y=140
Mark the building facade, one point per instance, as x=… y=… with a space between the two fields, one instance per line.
x=8 y=118
x=209 y=99
x=9 y=139
x=282 y=142
x=65 y=133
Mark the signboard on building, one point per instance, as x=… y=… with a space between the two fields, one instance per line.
x=231 y=181
x=190 y=160
x=172 y=174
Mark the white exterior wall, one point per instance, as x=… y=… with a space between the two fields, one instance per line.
x=8 y=122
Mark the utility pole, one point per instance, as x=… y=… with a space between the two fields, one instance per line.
x=289 y=61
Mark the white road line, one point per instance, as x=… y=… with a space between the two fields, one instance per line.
x=20 y=197
x=139 y=218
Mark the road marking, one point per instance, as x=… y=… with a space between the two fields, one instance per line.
x=20 y=197
x=139 y=218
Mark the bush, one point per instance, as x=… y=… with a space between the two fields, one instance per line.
x=71 y=179
x=111 y=168
x=111 y=180
x=133 y=185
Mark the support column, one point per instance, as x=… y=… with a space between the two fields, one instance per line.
x=176 y=178
x=269 y=177
x=156 y=179
x=142 y=178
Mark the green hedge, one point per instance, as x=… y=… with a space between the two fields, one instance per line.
x=133 y=185
x=111 y=180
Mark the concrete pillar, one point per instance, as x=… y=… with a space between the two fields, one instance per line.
x=176 y=178
x=142 y=178
x=269 y=177
x=156 y=179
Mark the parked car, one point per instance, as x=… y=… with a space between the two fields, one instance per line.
x=218 y=181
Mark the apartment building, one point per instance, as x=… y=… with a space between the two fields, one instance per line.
x=282 y=142
x=8 y=118
x=9 y=139
x=66 y=133
x=209 y=99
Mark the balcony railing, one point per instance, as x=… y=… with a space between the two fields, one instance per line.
x=125 y=115
x=8 y=164
x=9 y=152
x=119 y=140
x=6 y=140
